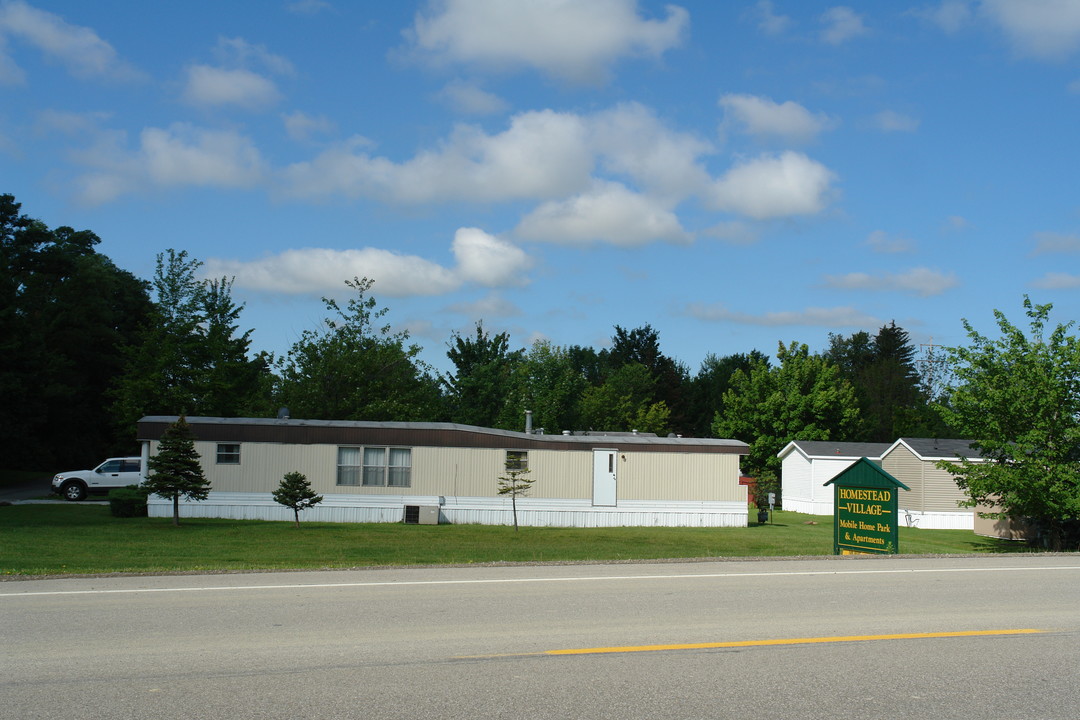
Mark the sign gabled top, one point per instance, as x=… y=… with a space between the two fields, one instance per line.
x=864 y=473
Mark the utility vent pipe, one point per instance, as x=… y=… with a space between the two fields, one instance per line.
x=528 y=422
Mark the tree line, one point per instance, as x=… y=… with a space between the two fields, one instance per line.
x=89 y=349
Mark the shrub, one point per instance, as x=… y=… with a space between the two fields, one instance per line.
x=128 y=501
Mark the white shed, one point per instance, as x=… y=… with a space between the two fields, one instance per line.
x=806 y=465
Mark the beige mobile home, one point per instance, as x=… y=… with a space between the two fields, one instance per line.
x=443 y=472
x=934 y=499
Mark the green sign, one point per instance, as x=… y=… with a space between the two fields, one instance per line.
x=866 y=508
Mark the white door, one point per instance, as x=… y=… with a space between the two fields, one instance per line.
x=605 y=463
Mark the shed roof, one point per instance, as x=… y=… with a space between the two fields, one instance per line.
x=301 y=431
x=938 y=448
x=834 y=449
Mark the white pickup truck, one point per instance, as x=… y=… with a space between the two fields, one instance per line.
x=113 y=473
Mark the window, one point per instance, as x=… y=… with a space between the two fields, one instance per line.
x=517 y=460
x=375 y=466
x=228 y=454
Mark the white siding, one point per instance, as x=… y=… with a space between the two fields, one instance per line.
x=795 y=492
x=465 y=510
x=807 y=478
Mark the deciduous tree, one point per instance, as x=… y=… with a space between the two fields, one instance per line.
x=1017 y=397
x=480 y=387
x=190 y=357
x=66 y=315
x=352 y=369
x=804 y=398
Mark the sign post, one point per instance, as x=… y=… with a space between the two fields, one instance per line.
x=865 y=510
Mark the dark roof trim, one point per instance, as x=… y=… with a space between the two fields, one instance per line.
x=348 y=432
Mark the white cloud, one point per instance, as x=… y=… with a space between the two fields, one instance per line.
x=1051 y=242
x=841 y=24
x=774 y=186
x=892 y=121
x=487 y=260
x=632 y=141
x=882 y=242
x=768 y=21
x=950 y=16
x=578 y=40
x=238 y=52
x=923 y=282
x=79 y=48
x=315 y=271
x=468 y=98
x=212 y=86
x=303 y=127
x=489 y=306
x=541 y=155
x=763 y=117
x=482 y=259
x=1057 y=281
x=956 y=223
x=837 y=317
x=1043 y=29
x=608 y=212
x=10 y=72
x=181 y=155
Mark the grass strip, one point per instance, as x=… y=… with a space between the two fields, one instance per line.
x=81 y=539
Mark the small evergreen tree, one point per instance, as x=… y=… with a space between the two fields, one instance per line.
x=515 y=483
x=295 y=492
x=176 y=471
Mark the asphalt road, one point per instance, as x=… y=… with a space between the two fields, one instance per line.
x=788 y=639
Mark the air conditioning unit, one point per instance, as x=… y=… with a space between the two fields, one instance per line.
x=421 y=514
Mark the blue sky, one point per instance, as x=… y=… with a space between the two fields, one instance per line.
x=733 y=173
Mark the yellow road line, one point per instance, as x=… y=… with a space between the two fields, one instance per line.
x=787 y=641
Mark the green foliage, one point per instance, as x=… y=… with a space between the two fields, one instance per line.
x=190 y=357
x=350 y=369
x=803 y=399
x=128 y=501
x=175 y=470
x=882 y=370
x=485 y=369
x=515 y=483
x=548 y=382
x=641 y=346
x=1018 y=398
x=295 y=492
x=626 y=402
x=66 y=314
x=706 y=390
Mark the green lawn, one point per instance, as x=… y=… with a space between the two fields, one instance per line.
x=76 y=538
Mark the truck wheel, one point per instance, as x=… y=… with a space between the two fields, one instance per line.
x=74 y=491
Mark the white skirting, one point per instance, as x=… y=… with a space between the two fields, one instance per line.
x=461 y=510
x=960 y=520
x=810 y=507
